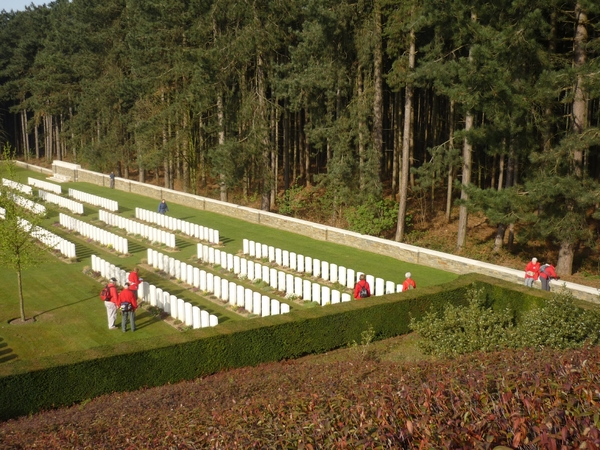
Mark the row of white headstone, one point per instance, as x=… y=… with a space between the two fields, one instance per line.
x=234 y=294
x=133 y=227
x=119 y=243
x=95 y=200
x=176 y=307
x=50 y=239
x=55 y=188
x=191 y=229
x=321 y=269
x=293 y=286
x=17 y=186
x=67 y=203
x=46 y=237
x=28 y=204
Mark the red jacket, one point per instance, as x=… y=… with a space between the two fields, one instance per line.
x=133 y=278
x=408 y=283
x=127 y=295
x=114 y=294
x=548 y=272
x=358 y=288
x=532 y=270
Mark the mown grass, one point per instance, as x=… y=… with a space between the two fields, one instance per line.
x=69 y=315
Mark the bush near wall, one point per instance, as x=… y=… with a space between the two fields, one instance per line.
x=27 y=387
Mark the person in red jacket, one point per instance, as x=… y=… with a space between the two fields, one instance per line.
x=547 y=273
x=111 y=304
x=409 y=283
x=134 y=280
x=362 y=288
x=532 y=272
x=128 y=304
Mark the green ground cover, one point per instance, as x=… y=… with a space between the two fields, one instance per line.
x=65 y=302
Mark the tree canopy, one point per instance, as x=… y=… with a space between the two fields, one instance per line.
x=361 y=101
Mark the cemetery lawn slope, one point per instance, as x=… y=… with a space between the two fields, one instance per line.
x=69 y=315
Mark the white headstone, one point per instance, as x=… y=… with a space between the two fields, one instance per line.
x=333 y=273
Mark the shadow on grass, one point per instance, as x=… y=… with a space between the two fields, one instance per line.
x=64 y=306
x=180 y=243
x=6 y=353
x=83 y=251
x=225 y=240
x=148 y=319
x=134 y=247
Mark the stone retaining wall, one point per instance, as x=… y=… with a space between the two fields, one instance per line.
x=397 y=250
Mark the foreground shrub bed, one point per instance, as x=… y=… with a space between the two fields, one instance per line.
x=520 y=399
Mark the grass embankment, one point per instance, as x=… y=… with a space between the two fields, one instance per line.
x=65 y=303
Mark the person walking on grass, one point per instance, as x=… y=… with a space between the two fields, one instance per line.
x=409 y=283
x=532 y=272
x=362 y=288
x=162 y=207
x=128 y=304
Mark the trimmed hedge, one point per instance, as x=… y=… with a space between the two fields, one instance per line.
x=27 y=387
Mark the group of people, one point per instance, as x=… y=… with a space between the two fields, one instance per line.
x=544 y=272
x=126 y=301
x=362 y=289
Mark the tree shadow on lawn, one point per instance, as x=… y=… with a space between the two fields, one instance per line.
x=64 y=306
x=6 y=353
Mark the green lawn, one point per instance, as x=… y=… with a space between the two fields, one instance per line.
x=70 y=315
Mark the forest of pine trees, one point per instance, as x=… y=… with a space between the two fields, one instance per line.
x=494 y=105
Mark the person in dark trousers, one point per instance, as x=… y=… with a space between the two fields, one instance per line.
x=362 y=288
x=112 y=180
x=162 y=207
x=111 y=304
x=128 y=304
x=547 y=273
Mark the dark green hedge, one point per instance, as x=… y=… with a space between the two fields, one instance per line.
x=29 y=387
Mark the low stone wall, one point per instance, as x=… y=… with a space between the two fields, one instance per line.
x=397 y=250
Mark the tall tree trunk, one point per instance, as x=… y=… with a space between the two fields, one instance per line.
x=21 y=298
x=25 y=135
x=566 y=254
x=274 y=152
x=37 y=140
x=266 y=174
x=57 y=143
x=304 y=149
x=48 y=150
x=466 y=179
x=185 y=149
x=406 y=143
x=467 y=154
x=286 y=149
x=377 y=88
x=450 y=186
x=221 y=142
x=361 y=129
x=397 y=140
